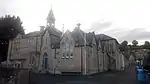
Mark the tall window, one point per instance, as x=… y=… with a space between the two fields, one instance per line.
x=15 y=45
x=45 y=61
x=31 y=59
x=19 y=44
x=68 y=50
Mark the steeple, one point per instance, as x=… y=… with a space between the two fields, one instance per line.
x=50 y=18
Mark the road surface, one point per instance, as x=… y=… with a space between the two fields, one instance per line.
x=126 y=77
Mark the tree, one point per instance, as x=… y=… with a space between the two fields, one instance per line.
x=123 y=46
x=134 y=42
x=146 y=44
x=10 y=23
x=10 y=27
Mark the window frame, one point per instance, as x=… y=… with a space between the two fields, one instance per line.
x=45 y=56
x=68 y=50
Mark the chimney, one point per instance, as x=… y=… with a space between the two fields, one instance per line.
x=78 y=25
x=42 y=28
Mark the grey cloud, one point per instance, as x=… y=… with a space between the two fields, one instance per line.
x=129 y=35
x=100 y=26
x=117 y=33
x=6 y=6
x=120 y=33
x=136 y=34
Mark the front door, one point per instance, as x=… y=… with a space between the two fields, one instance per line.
x=45 y=63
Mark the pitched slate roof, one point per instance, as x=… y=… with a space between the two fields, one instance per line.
x=55 y=36
x=78 y=36
x=65 y=33
x=104 y=37
x=54 y=31
x=33 y=34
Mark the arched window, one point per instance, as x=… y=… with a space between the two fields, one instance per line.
x=45 y=61
x=67 y=50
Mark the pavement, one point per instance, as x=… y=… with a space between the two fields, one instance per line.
x=125 y=77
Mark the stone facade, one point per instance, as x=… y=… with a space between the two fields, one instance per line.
x=73 y=52
x=79 y=52
x=110 y=49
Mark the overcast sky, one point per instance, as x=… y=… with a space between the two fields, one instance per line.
x=123 y=19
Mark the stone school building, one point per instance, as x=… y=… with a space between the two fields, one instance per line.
x=50 y=50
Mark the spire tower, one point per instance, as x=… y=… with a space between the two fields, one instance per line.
x=51 y=18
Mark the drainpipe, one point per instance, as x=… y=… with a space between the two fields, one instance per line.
x=103 y=61
x=85 y=52
x=40 y=51
x=97 y=60
x=55 y=61
x=36 y=46
x=36 y=51
x=81 y=61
